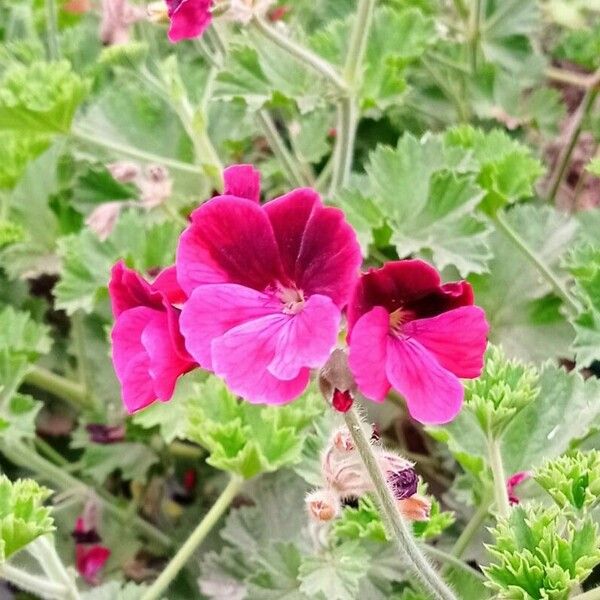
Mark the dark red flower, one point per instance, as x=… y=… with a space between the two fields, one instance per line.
x=342 y=401
x=105 y=434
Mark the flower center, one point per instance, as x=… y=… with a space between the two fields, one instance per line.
x=292 y=299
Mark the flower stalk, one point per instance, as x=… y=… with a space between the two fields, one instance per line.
x=186 y=551
x=52 y=30
x=497 y=466
x=393 y=520
x=34 y=584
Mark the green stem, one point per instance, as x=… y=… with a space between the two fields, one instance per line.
x=74 y=393
x=50 y=453
x=570 y=77
x=472 y=527
x=538 y=263
x=34 y=584
x=302 y=54
x=497 y=466
x=395 y=523
x=358 y=43
x=474 y=33
x=44 y=551
x=21 y=454
x=343 y=154
x=52 y=30
x=91 y=138
x=593 y=594
x=576 y=126
x=461 y=9
x=186 y=551
x=451 y=561
x=284 y=156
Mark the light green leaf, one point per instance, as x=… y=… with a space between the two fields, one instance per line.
x=22 y=514
x=524 y=319
x=114 y=590
x=16 y=151
x=10 y=233
x=18 y=415
x=40 y=98
x=20 y=334
x=336 y=574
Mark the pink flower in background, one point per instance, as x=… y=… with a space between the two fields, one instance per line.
x=118 y=16
x=148 y=350
x=189 y=18
x=410 y=332
x=512 y=483
x=90 y=555
x=266 y=286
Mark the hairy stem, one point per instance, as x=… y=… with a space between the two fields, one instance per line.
x=575 y=130
x=343 y=152
x=90 y=138
x=393 y=520
x=302 y=54
x=186 y=551
x=497 y=466
x=34 y=584
x=21 y=454
x=44 y=551
x=503 y=225
x=451 y=561
x=292 y=170
x=52 y=30
x=72 y=392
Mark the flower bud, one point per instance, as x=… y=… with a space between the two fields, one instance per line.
x=123 y=171
x=103 y=218
x=336 y=381
x=342 y=440
x=404 y=483
x=415 y=508
x=323 y=505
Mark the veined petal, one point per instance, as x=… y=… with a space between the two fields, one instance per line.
x=242 y=356
x=457 y=338
x=433 y=394
x=230 y=240
x=307 y=338
x=242 y=181
x=212 y=310
x=319 y=250
x=166 y=283
x=137 y=387
x=128 y=289
x=368 y=351
x=189 y=18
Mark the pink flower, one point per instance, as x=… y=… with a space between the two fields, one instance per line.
x=266 y=286
x=90 y=555
x=148 y=350
x=413 y=333
x=189 y=18
x=514 y=481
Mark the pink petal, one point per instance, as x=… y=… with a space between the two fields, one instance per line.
x=319 y=250
x=368 y=351
x=137 y=387
x=128 y=289
x=90 y=560
x=166 y=363
x=457 y=338
x=242 y=181
x=212 y=310
x=166 y=283
x=242 y=356
x=126 y=336
x=307 y=338
x=189 y=18
x=433 y=394
x=230 y=240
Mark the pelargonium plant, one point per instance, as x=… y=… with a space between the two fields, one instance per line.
x=299 y=300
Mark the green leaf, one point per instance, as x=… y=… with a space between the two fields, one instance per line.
x=245 y=438
x=20 y=334
x=504 y=388
x=429 y=210
x=16 y=151
x=87 y=261
x=40 y=98
x=594 y=167
x=581 y=46
x=13 y=368
x=10 y=233
x=18 y=415
x=524 y=319
x=572 y=480
x=22 y=514
x=362 y=522
x=114 y=590
x=336 y=574
x=537 y=554
x=96 y=185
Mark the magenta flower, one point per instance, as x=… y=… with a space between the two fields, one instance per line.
x=148 y=350
x=189 y=18
x=90 y=555
x=513 y=482
x=410 y=332
x=266 y=286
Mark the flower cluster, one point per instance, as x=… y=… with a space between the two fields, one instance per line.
x=258 y=295
x=346 y=479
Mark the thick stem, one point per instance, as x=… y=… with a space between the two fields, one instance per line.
x=343 y=153
x=44 y=551
x=52 y=30
x=570 y=77
x=74 y=393
x=393 y=520
x=186 y=551
x=593 y=594
x=176 y=165
x=472 y=527
x=474 y=33
x=21 y=454
x=538 y=263
x=358 y=43
x=280 y=150
x=497 y=466
x=302 y=54
x=34 y=584
x=576 y=126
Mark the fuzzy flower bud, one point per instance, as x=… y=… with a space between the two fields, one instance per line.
x=404 y=483
x=415 y=508
x=336 y=382
x=323 y=505
x=123 y=171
